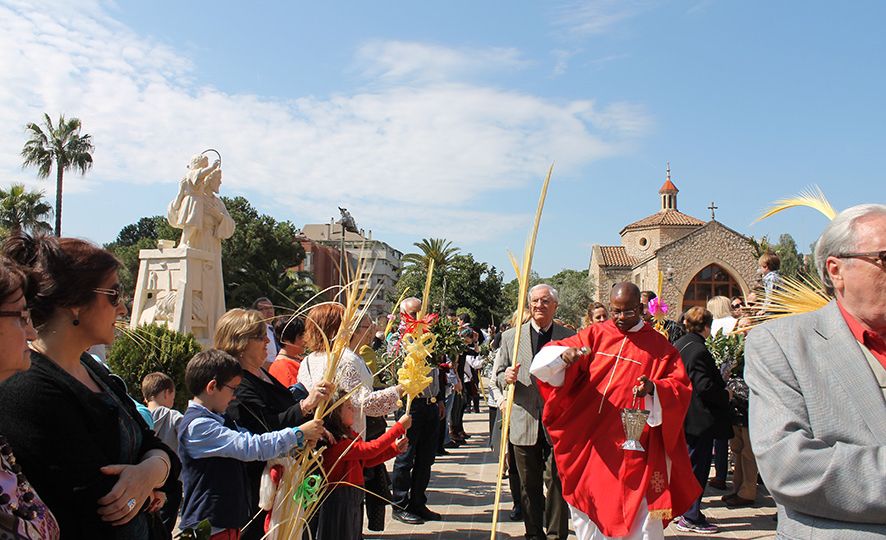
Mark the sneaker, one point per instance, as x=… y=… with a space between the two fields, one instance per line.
x=684 y=525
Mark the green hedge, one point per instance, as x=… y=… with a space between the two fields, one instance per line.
x=153 y=348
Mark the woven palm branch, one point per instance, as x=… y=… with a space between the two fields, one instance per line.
x=293 y=508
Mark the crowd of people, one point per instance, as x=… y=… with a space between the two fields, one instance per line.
x=80 y=458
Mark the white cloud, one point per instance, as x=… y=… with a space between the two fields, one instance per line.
x=421 y=136
x=401 y=60
x=588 y=17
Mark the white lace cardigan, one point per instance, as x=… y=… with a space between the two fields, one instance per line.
x=352 y=373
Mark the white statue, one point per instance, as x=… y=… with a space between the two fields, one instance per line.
x=183 y=287
x=198 y=211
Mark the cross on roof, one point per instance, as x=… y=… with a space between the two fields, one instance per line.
x=712 y=208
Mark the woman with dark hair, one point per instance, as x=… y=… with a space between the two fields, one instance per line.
x=75 y=431
x=23 y=515
x=261 y=404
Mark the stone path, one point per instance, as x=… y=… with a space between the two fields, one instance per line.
x=463 y=489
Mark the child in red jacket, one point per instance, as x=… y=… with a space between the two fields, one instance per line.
x=340 y=517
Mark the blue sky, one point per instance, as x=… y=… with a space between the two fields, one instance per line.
x=440 y=119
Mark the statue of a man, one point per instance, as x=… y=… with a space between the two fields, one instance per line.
x=198 y=211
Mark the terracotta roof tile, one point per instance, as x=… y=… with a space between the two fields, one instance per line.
x=665 y=218
x=616 y=256
x=668 y=186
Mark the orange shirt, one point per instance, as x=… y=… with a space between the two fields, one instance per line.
x=868 y=338
x=285 y=370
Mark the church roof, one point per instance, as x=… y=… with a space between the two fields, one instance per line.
x=616 y=256
x=668 y=187
x=665 y=218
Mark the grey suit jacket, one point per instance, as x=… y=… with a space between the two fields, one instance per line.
x=818 y=427
x=526 y=412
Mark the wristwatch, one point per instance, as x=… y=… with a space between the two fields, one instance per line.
x=299 y=437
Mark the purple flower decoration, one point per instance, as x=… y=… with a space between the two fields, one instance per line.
x=657 y=308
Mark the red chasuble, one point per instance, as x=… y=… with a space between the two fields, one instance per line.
x=584 y=421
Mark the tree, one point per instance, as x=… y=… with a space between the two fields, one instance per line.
x=439 y=250
x=23 y=210
x=61 y=145
x=257 y=258
x=575 y=290
x=472 y=286
x=791 y=261
x=573 y=286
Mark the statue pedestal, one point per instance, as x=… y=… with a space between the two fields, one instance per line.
x=181 y=287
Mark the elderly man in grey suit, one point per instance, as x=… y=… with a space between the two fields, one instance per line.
x=818 y=392
x=532 y=449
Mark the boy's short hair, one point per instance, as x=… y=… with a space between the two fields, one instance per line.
x=155 y=384
x=210 y=365
x=770 y=260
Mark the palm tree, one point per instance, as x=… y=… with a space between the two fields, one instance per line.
x=437 y=249
x=61 y=145
x=20 y=209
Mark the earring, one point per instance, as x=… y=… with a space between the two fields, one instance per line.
x=76 y=321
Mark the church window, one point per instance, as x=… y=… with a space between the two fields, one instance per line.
x=644 y=243
x=712 y=280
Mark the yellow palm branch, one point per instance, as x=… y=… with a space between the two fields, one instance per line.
x=811 y=197
x=793 y=296
x=523 y=290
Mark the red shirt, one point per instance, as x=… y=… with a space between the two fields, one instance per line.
x=868 y=338
x=344 y=461
x=285 y=370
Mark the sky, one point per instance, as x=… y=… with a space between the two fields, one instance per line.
x=440 y=119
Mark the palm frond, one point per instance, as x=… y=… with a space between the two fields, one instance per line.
x=811 y=197
x=794 y=296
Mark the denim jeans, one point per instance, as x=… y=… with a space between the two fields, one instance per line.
x=700 y=454
x=412 y=468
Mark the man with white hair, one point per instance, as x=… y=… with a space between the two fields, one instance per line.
x=542 y=517
x=818 y=391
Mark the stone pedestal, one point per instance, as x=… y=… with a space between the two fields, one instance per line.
x=181 y=287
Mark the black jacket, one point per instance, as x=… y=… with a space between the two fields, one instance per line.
x=62 y=433
x=261 y=407
x=709 y=409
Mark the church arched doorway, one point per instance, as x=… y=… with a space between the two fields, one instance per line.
x=712 y=280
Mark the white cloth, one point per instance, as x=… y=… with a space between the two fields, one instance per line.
x=272 y=346
x=726 y=324
x=352 y=373
x=643 y=528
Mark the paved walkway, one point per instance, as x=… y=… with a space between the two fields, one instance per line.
x=463 y=490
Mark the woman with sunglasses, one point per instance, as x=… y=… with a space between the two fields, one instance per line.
x=75 y=431
x=23 y=515
x=261 y=404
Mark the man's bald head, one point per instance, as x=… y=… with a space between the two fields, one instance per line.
x=625 y=292
x=410 y=305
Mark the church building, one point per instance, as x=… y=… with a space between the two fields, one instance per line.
x=697 y=259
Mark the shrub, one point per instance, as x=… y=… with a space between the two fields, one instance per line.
x=151 y=348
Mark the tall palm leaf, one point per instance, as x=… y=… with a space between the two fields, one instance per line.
x=21 y=209
x=61 y=145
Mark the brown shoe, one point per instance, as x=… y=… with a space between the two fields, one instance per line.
x=734 y=501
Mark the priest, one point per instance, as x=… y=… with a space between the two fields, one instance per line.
x=586 y=381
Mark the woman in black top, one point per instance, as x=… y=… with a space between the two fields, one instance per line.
x=261 y=403
x=75 y=432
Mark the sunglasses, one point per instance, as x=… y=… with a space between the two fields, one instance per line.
x=114 y=294
x=881 y=255
x=24 y=315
